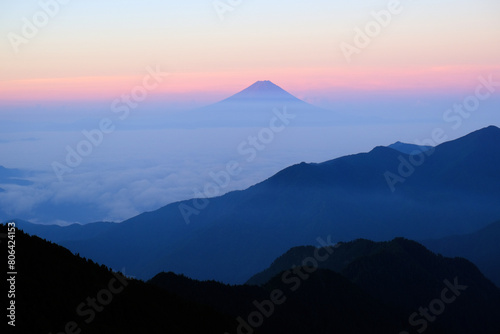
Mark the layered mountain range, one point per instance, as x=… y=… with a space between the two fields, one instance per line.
x=453 y=190
x=354 y=287
x=305 y=251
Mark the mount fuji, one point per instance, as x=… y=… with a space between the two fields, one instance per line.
x=254 y=105
x=262 y=91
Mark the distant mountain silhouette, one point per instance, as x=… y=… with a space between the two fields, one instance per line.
x=255 y=106
x=361 y=286
x=409 y=148
x=455 y=190
x=481 y=247
x=262 y=90
x=259 y=95
x=13 y=176
x=65 y=233
x=9 y=176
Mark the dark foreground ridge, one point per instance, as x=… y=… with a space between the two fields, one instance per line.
x=360 y=287
x=355 y=287
x=58 y=292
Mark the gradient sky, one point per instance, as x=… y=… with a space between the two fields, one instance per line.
x=93 y=50
x=65 y=78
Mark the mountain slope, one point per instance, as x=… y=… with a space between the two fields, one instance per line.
x=456 y=190
x=261 y=94
x=481 y=247
x=409 y=148
x=56 y=290
x=257 y=104
x=262 y=90
x=377 y=292
x=377 y=288
x=60 y=234
x=325 y=302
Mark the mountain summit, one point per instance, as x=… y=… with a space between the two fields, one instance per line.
x=253 y=106
x=262 y=96
x=262 y=90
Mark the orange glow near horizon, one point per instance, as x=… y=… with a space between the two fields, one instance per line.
x=100 y=50
x=297 y=81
